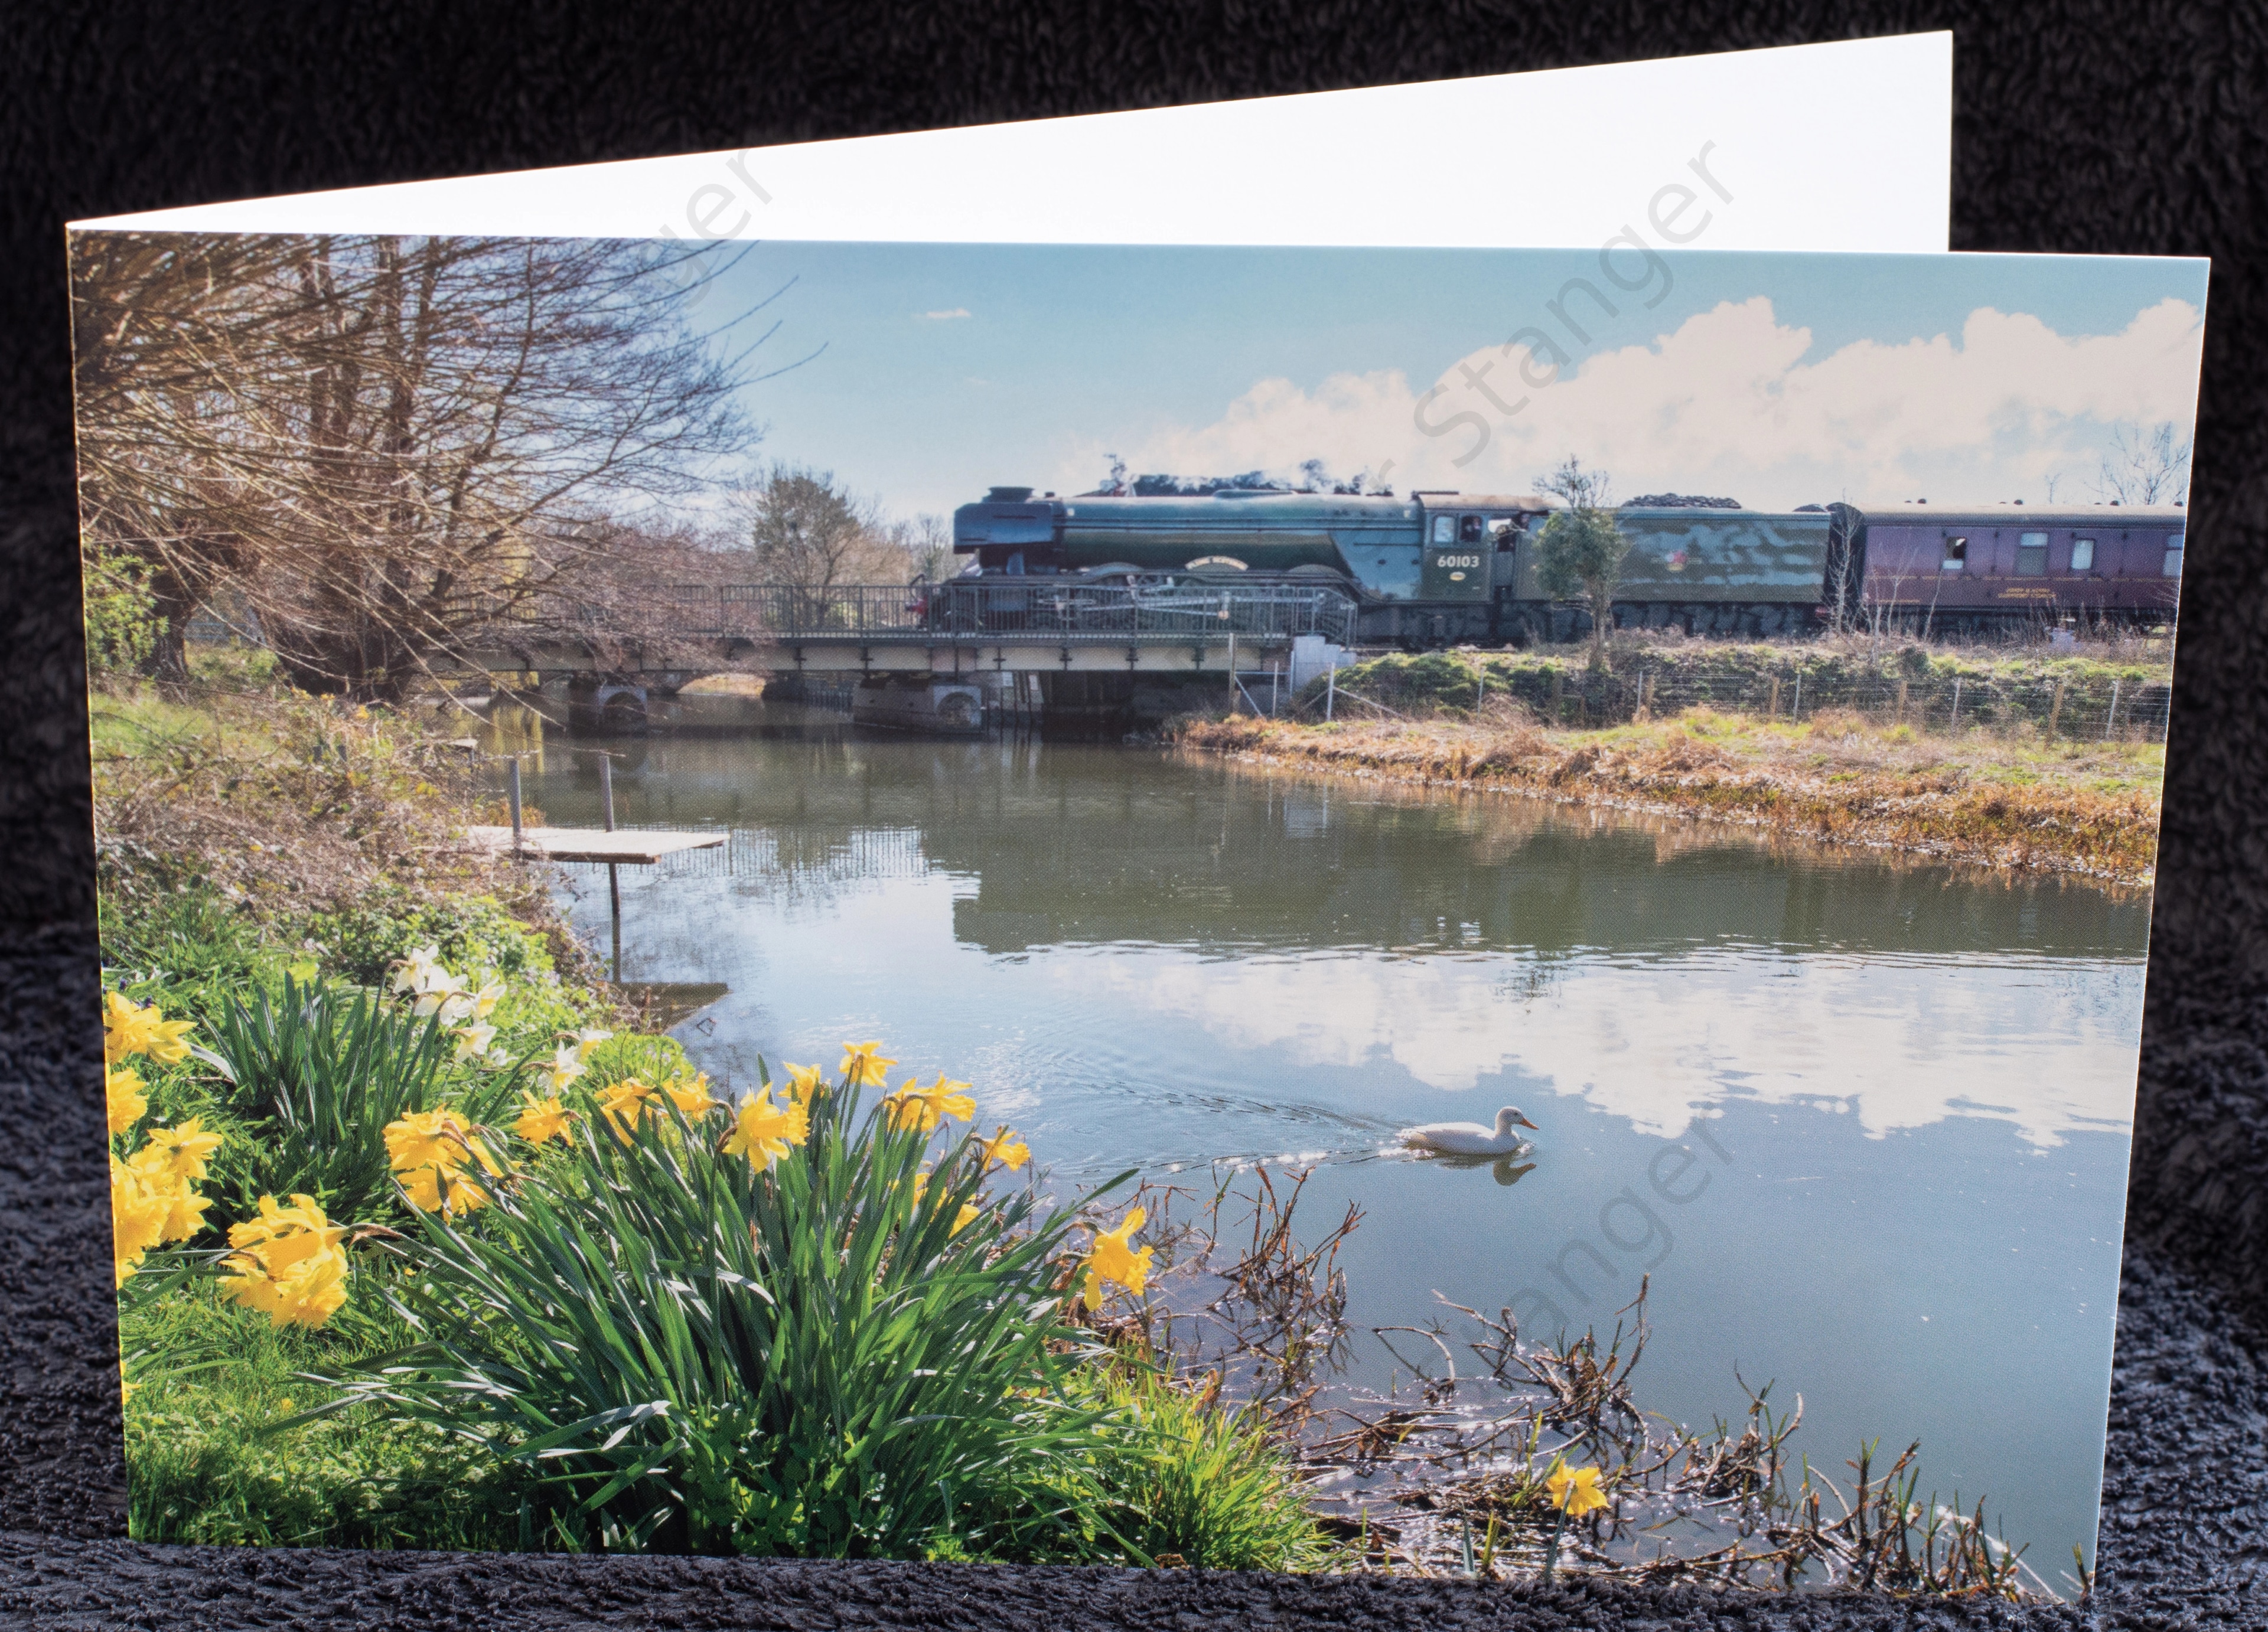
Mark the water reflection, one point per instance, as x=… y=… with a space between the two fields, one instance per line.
x=1906 y=1088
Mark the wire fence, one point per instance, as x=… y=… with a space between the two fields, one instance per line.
x=2089 y=706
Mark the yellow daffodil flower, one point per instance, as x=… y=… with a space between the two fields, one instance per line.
x=130 y=1027
x=181 y=1152
x=287 y=1263
x=803 y=1082
x=542 y=1120
x=138 y=1214
x=623 y=1103
x=1574 y=1491
x=438 y=1138
x=1005 y=1148
x=121 y=1088
x=930 y=1106
x=764 y=1132
x=1115 y=1258
x=968 y=1215
x=475 y=1041
x=692 y=1098
x=442 y=1189
x=491 y=993
x=863 y=1064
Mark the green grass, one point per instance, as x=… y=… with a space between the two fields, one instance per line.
x=208 y=1463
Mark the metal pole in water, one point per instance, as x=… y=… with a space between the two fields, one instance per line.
x=614 y=869
x=512 y=780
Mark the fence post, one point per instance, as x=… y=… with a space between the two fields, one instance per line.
x=2055 y=708
x=513 y=777
x=1232 y=656
x=2110 y=720
x=1330 y=688
x=1771 y=706
x=1955 y=724
x=1795 y=709
x=1901 y=717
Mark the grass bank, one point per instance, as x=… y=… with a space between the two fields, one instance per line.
x=1996 y=798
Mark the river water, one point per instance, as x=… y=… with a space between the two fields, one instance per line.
x=1864 y=1120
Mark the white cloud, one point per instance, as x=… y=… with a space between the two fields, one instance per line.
x=938 y=317
x=1902 y=1042
x=1731 y=401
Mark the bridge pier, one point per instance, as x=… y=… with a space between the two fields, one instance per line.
x=601 y=704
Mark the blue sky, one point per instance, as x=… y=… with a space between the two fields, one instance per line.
x=1843 y=371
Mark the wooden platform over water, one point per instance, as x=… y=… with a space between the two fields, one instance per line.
x=593 y=844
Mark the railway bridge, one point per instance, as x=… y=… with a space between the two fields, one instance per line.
x=1066 y=632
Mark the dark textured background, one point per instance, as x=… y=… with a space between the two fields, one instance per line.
x=2138 y=129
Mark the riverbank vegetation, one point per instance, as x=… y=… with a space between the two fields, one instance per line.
x=2002 y=788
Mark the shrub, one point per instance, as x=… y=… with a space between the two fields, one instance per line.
x=830 y=1355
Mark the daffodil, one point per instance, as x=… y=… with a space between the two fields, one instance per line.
x=587 y=1039
x=928 y=1107
x=442 y=1189
x=565 y=1066
x=438 y=1138
x=287 y=1262
x=1005 y=1148
x=1574 y=1491
x=863 y=1064
x=623 y=1102
x=181 y=1152
x=803 y=1082
x=444 y=994
x=764 y=1132
x=1114 y=1257
x=475 y=1039
x=130 y=1027
x=413 y=972
x=138 y=1214
x=542 y=1120
x=491 y=992
x=692 y=1098
x=969 y=1213
x=121 y=1088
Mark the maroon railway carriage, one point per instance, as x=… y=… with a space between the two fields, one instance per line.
x=1997 y=565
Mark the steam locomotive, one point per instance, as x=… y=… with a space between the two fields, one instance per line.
x=1437 y=568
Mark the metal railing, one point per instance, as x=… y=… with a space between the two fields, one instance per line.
x=1038 y=609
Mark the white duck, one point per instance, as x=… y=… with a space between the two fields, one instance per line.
x=1471 y=1138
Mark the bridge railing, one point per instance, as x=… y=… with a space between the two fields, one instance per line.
x=1037 y=608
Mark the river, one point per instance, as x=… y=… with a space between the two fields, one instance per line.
x=1864 y=1119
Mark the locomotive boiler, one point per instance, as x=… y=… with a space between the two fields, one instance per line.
x=1438 y=568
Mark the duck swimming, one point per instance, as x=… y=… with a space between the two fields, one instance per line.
x=1471 y=1138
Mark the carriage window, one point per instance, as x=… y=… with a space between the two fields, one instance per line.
x=1468 y=529
x=2083 y=554
x=2031 y=554
x=1957 y=555
x=1444 y=529
x=2173 y=567
x=1501 y=529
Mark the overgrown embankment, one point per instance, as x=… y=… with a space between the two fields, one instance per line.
x=2101 y=690
x=1994 y=800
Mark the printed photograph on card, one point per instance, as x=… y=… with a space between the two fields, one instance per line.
x=1470 y=912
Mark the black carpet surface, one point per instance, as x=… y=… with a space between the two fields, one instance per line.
x=2101 y=129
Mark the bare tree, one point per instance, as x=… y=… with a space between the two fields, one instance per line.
x=386 y=444
x=2145 y=467
x=1581 y=548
